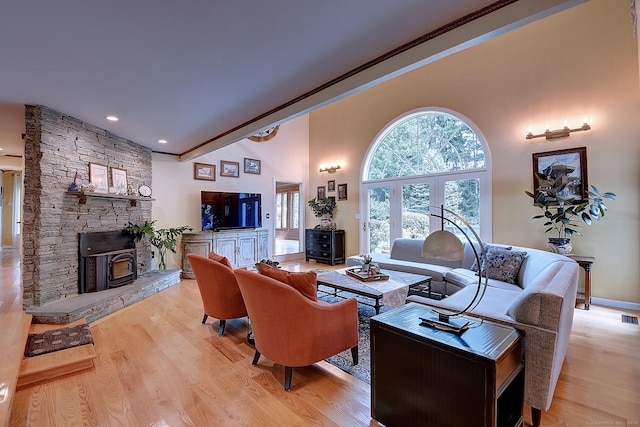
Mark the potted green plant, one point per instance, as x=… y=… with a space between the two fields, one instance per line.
x=163 y=239
x=274 y=264
x=323 y=208
x=563 y=213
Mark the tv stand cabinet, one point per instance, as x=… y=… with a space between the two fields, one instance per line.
x=243 y=248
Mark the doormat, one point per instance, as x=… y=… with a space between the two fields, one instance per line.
x=57 y=339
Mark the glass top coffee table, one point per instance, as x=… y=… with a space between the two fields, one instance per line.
x=392 y=292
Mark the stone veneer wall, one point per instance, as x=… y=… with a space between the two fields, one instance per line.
x=56 y=146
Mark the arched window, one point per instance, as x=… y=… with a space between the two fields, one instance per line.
x=427 y=157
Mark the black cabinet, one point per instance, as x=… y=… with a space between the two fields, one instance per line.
x=425 y=377
x=325 y=246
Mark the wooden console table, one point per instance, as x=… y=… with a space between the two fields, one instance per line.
x=585 y=262
x=422 y=376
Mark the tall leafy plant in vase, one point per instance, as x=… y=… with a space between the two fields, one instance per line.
x=162 y=239
x=563 y=214
x=323 y=208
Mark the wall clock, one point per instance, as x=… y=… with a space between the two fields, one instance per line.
x=144 y=190
x=265 y=135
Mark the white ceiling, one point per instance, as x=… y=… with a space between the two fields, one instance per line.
x=191 y=71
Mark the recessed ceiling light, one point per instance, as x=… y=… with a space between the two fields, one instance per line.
x=112 y=118
x=162 y=141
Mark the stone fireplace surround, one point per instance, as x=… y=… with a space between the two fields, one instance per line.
x=56 y=147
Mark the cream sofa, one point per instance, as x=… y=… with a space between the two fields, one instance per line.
x=540 y=303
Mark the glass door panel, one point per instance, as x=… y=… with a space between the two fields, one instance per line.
x=295 y=211
x=378 y=222
x=463 y=197
x=416 y=199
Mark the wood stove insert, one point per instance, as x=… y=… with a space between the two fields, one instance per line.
x=107 y=260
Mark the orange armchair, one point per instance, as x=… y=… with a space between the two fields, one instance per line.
x=219 y=290
x=293 y=330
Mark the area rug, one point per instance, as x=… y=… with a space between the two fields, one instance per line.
x=344 y=360
x=57 y=339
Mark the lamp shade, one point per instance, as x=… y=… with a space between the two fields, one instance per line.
x=443 y=245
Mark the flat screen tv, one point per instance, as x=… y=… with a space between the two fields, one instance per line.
x=222 y=211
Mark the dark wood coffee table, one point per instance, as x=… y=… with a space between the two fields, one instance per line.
x=399 y=282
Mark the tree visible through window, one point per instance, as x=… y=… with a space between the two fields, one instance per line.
x=426 y=158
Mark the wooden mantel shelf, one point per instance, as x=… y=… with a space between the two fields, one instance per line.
x=82 y=197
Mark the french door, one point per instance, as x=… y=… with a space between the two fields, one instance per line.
x=400 y=207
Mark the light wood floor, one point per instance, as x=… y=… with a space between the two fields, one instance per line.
x=157 y=365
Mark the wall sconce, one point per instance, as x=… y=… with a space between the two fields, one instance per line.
x=559 y=133
x=330 y=169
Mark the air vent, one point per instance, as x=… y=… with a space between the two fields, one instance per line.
x=629 y=319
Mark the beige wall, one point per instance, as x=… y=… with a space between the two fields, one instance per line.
x=283 y=158
x=583 y=61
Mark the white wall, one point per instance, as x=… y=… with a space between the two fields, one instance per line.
x=177 y=194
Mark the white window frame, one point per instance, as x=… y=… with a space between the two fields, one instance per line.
x=436 y=181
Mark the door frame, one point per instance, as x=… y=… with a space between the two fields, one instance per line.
x=301 y=219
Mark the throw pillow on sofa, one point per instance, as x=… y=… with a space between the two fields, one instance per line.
x=303 y=282
x=474 y=267
x=502 y=264
x=221 y=259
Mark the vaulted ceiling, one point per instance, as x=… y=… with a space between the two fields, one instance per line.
x=202 y=74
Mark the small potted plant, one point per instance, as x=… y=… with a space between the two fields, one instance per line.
x=562 y=213
x=366 y=262
x=163 y=239
x=323 y=208
x=271 y=263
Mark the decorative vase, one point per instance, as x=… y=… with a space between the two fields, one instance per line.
x=560 y=245
x=325 y=224
x=162 y=264
x=366 y=267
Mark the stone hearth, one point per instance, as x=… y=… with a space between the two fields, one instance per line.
x=96 y=305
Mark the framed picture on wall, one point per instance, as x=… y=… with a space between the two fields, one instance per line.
x=572 y=163
x=252 y=166
x=321 y=192
x=204 y=171
x=331 y=186
x=119 y=180
x=98 y=177
x=231 y=169
x=342 y=192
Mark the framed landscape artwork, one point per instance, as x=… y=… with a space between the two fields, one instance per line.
x=572 y=163
x=204 y=171
x=231 y=169
x=98 y=177
x=252 y=166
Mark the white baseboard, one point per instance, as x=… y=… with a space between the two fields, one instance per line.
x=616 y=304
